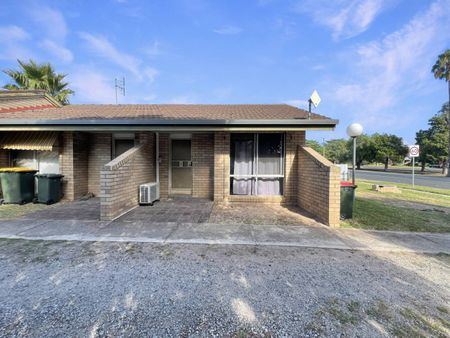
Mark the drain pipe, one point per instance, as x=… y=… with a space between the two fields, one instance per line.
x=157 y=156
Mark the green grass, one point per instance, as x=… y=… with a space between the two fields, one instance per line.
x=414 y=209
x=376 y=215
x=9 y=211
x=429 y=197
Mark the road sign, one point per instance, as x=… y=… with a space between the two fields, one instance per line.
x=414 y=150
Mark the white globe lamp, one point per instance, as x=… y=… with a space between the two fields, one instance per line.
x=354 y=130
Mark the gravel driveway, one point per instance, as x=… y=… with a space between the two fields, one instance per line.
x=50 y=289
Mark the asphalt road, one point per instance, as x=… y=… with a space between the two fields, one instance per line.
x=427 y=181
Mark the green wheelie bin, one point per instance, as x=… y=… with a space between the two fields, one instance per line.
x=49 y=188
x=17 y=185
x=347 y=199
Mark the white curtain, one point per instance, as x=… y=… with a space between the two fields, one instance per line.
x=269 y=163
x=269 y=186
x=243 y=165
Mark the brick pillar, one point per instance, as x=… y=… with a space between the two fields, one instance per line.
x=203 y=165
x=74 y=164
x=221 y=167
x=164 y=164
x=293 y=141
x=99 y=155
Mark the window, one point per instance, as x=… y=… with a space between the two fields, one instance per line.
x=257 y=164
x=122 y=143
x=47 y=162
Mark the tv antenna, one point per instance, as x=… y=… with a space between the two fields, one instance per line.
x=119 y=86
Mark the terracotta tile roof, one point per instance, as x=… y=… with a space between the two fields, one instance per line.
x=21 y=100
x=166 y=112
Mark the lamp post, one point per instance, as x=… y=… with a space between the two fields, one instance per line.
x=354 y=130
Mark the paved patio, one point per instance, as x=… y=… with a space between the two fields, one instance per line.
x=174 y=210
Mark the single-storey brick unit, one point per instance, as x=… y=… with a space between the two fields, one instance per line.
x=253 y=153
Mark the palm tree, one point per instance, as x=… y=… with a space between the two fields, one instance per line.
x=39 y=76
x=441 y=71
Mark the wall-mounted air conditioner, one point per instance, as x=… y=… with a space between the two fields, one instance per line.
x=148 y=193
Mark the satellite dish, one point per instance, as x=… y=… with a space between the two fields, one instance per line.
x=315 y=98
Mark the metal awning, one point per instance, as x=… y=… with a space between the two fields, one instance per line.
x=28 y=140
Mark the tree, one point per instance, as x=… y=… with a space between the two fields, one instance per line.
x=441 y=71
x=336 y=151
x=434 y=140
x=365 y=149
x=389 y=148
x=315 y=145
x=39 y=76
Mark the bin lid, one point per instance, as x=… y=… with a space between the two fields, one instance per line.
x=50 y=175
x=17 y=170
x=348 y=184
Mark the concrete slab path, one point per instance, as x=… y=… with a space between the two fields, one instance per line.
x=243 y=234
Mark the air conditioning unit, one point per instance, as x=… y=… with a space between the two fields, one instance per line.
x=148 y=193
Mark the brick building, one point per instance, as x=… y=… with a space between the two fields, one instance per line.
x=227 y=153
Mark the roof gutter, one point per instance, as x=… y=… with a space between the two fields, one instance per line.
x=165 y=125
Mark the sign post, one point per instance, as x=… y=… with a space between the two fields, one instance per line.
x=414 y=152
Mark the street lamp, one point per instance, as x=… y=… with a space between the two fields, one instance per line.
x=354 y=130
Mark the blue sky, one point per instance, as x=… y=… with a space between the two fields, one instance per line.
x=370 y=60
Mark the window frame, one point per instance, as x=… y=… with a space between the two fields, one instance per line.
x=121 y=137
x=255 y=164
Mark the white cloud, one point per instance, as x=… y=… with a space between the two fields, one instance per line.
x=318 y=67
x=58 y=50
x=153 y=50
x=297 y=103
x=13 y=33
x=91 y=86
x=105 y=49
x=346 y=18
x=228 y=30
x=50 y=20
x=396 y=66
x=151 y=73
x=183 y=99
x=12 y=45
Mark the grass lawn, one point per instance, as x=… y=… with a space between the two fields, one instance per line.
x=419 y=209
x=425 y=195
x=9 y=211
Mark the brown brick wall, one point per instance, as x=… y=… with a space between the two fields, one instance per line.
x=80 y=164
x=99 y=155
x=74 y=164
x=203 y=165
x=221 y=167
x=318 y=186
x=164 y=164
x=293 y=141
x=120 y=178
